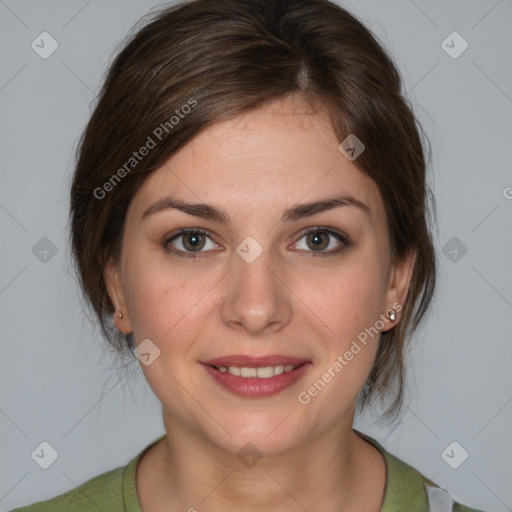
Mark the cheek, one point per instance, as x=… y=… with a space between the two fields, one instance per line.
x=349 y=307
x=346 y=300
x=348 y=303
x=161 y=302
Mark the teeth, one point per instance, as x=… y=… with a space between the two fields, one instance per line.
x=246 y=372
x=263 y=372
x=278 y=369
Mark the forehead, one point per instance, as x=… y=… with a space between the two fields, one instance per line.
x=277 y=155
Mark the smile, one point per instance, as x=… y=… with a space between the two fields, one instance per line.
x=263 y=372
x=256 y=382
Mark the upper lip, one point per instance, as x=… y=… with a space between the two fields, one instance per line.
x=255 y=362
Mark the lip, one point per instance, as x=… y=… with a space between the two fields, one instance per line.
x=254 y=387
x=255 y=362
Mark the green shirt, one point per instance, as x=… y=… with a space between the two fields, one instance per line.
x=115 y=491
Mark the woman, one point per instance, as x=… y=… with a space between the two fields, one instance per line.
x=249 y=217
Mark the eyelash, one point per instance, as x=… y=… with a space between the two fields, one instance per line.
x=341 y=238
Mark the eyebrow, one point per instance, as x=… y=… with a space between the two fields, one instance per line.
x=210 y=212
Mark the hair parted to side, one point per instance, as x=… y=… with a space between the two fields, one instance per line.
x=224 y=58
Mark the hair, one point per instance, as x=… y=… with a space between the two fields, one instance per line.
x=193 y=64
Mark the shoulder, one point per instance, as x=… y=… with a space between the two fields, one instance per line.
x=405 y=485
x=112 y=491
x=438 y=499
x=103 y=492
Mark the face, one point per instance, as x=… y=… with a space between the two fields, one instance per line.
x=260 y=277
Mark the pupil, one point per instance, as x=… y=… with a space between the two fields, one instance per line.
x=317 y=241
x=194 y=241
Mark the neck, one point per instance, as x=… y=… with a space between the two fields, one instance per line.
x=335 y=471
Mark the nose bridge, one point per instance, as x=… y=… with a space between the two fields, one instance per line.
x=255 y=275
x=255 y=297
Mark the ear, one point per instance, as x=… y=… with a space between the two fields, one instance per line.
x=399 y=282
x=112 y=276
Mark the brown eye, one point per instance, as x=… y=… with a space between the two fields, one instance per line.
x=318 y=239
x=189 y=243
x=193 y=241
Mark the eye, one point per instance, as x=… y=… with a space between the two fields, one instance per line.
x=318 y=239
x=186 y=242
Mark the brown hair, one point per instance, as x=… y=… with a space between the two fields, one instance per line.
x=221 y=58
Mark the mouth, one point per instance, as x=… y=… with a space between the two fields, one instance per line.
x=256 y=377
x=261 y=372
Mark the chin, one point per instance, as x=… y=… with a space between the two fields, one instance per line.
x=264 y=434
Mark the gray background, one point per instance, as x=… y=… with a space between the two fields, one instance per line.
x=58 y=384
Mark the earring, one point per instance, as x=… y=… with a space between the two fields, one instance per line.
x=120 y=315
x=392 y=314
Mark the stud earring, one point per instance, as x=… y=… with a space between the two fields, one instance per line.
x=120 y=315
x=392 y=314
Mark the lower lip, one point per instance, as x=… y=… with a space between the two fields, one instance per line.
x=254 y=387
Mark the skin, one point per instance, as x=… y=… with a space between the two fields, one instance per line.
x=288 y=301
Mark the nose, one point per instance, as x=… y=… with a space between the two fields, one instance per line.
x=257 y=300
